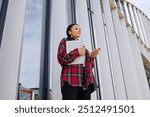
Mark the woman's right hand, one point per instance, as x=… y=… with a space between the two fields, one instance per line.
x=82 y=51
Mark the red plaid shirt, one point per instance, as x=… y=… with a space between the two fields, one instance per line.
x=77 y=74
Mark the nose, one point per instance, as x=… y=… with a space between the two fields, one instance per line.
x=79 y=32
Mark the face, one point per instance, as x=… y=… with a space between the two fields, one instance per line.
x=75 y=31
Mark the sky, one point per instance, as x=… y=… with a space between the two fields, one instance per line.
x=30 y=63
x=143 y=5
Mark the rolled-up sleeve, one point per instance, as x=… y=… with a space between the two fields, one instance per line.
x=63 y=57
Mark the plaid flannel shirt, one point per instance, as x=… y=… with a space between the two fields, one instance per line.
x=77 y=74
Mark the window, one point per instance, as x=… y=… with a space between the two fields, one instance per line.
x=0 y=4
x=30 y=62
x=3 y=11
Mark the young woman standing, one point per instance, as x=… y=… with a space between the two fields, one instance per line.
x=77 y=80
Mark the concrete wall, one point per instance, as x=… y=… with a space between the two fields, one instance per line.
x=10 y=51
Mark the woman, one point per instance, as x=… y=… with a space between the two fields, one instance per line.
x=77 y=81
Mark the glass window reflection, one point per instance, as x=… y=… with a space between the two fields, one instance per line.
x=0 y=4
x=30 y=62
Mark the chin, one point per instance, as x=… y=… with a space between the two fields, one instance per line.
x=77 y=36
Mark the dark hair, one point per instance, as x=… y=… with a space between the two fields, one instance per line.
x=69 y=29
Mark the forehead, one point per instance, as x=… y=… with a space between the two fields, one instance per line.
x=75 y=26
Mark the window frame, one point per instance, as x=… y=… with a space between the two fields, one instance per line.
x=3 y=12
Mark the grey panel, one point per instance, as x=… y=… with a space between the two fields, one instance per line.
x=114 y=57
x=83 y=21
x=143 y=84
x=59 y=23
x=11 y=49
x=129 y=67
x=138 y=23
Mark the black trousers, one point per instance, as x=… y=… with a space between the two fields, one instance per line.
x=75 y=93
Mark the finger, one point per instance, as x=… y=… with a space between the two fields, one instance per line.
x=94 y=54
x=98 y=50
x=94 y=50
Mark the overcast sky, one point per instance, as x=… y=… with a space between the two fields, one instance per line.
x=143 y=5
x=30 y=63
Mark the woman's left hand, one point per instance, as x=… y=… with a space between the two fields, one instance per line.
x=94 y=53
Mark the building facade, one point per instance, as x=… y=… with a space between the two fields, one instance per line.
x=119 y=28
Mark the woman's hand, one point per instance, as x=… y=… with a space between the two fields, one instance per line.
x=82 y=51
x=94 y=53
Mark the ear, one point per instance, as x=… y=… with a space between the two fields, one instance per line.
x=69 y=32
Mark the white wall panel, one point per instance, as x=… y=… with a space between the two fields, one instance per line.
x=124 y=47
x=145 y=23
x=83 y=21
x=142 y=27
x=116 y=69
x=129 y=68
x=103 y=59
x=148 y=29
x=142 y=79
x=132 y=18
x=138 y=23
x=11 y=47
x=59 y=23
x=127 y=12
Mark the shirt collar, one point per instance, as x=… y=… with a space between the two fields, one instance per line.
x=70 y=39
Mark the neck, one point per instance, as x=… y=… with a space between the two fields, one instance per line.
x=73 y=38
